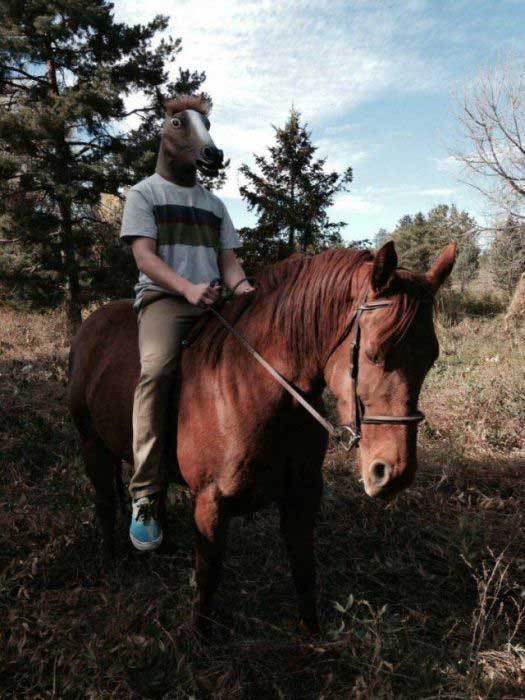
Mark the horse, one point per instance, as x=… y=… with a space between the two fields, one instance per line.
x=344 y=319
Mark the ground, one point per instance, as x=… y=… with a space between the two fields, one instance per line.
x=422 y=598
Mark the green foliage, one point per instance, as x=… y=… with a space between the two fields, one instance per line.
x=420 y=238
x=259 y=248
x=361 y=244
x=290 y=194
x=381 y=237
x=65 y=71
x=467 y=261
x=507 y=255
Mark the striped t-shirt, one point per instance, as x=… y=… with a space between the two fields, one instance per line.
x=190 y=225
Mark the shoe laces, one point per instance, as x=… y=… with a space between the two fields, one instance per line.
x=147 y=511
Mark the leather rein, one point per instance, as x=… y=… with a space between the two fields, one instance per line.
x=347 y=435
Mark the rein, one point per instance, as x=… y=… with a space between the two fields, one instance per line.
x=347 y=435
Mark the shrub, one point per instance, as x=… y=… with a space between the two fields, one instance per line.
x=453 y=306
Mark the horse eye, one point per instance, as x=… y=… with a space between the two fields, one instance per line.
x=376 y=358
x=176 y=122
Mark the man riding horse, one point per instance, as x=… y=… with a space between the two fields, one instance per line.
x=349 y=320
x=182 y=239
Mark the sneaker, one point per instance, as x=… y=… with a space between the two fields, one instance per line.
x=145 y=531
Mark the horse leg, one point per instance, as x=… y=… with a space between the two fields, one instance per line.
x=211 y=526
x=101 y=468
x=298 y=512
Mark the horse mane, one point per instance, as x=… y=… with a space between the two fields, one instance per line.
x=307 y=301
x=408 y=291
x=200 y=103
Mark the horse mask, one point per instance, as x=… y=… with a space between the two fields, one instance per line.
x=186 y=144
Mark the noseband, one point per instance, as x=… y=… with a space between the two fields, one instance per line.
x=347 y=435
x=350 y=435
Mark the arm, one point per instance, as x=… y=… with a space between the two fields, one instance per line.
x=232 y=272
x=148 y=262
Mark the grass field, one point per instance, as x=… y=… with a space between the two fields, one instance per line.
x=423 y=598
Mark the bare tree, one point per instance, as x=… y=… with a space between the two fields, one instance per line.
x=491 y=112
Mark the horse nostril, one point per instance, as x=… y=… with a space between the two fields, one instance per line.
x=380 y=472
x=209 y=153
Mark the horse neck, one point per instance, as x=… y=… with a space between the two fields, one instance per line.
x=315 y=327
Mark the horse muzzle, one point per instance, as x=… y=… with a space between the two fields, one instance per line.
x=385 y=481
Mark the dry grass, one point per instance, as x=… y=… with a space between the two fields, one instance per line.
x=420 y=599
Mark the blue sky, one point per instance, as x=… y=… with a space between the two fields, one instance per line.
x=374 y=80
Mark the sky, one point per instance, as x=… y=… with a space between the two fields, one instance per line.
x=374 y=80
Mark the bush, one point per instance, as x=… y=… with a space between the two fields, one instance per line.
x=453 y=306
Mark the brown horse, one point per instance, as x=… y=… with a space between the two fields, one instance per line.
x=242 y=441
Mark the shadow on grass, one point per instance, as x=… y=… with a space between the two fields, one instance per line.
x=397 y=597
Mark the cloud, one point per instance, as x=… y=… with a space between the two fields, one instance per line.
x=448 y=164
x=261 y=56
x=436 y=192
x=399 y=191
x=355 y=204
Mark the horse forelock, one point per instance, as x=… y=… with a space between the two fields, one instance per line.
x=407 y=291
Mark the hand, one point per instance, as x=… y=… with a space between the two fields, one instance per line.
x=245 y=288
x=202 y=295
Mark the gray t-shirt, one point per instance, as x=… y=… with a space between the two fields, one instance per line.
x=190 y=224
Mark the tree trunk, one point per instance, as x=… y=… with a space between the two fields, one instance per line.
x=67 y=244
x=70 y=271
x=291 y=229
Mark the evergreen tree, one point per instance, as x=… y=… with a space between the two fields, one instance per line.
x=420 y=238
x=65 y=69
x=381 y=237
x=290 y=194
x=507 y=255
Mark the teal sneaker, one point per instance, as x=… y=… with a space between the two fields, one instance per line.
x=145 y=530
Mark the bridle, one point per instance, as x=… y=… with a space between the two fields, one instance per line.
x=347 y=435
x=350 y=435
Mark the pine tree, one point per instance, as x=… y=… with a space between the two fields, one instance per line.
x=65 y=69
x=290 y=194
x=420 y=238
x=507 y=255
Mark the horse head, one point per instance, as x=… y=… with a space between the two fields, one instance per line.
x=376 y=373
x=186 y=144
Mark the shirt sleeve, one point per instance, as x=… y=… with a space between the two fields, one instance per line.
x=138 y=218
x=229 y=236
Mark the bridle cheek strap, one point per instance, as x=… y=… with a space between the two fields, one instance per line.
x=350 y=435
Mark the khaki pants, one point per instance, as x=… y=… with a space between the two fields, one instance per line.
x=163 y=322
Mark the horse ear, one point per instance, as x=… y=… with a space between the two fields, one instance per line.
x=385 y=262
x=442 y=268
